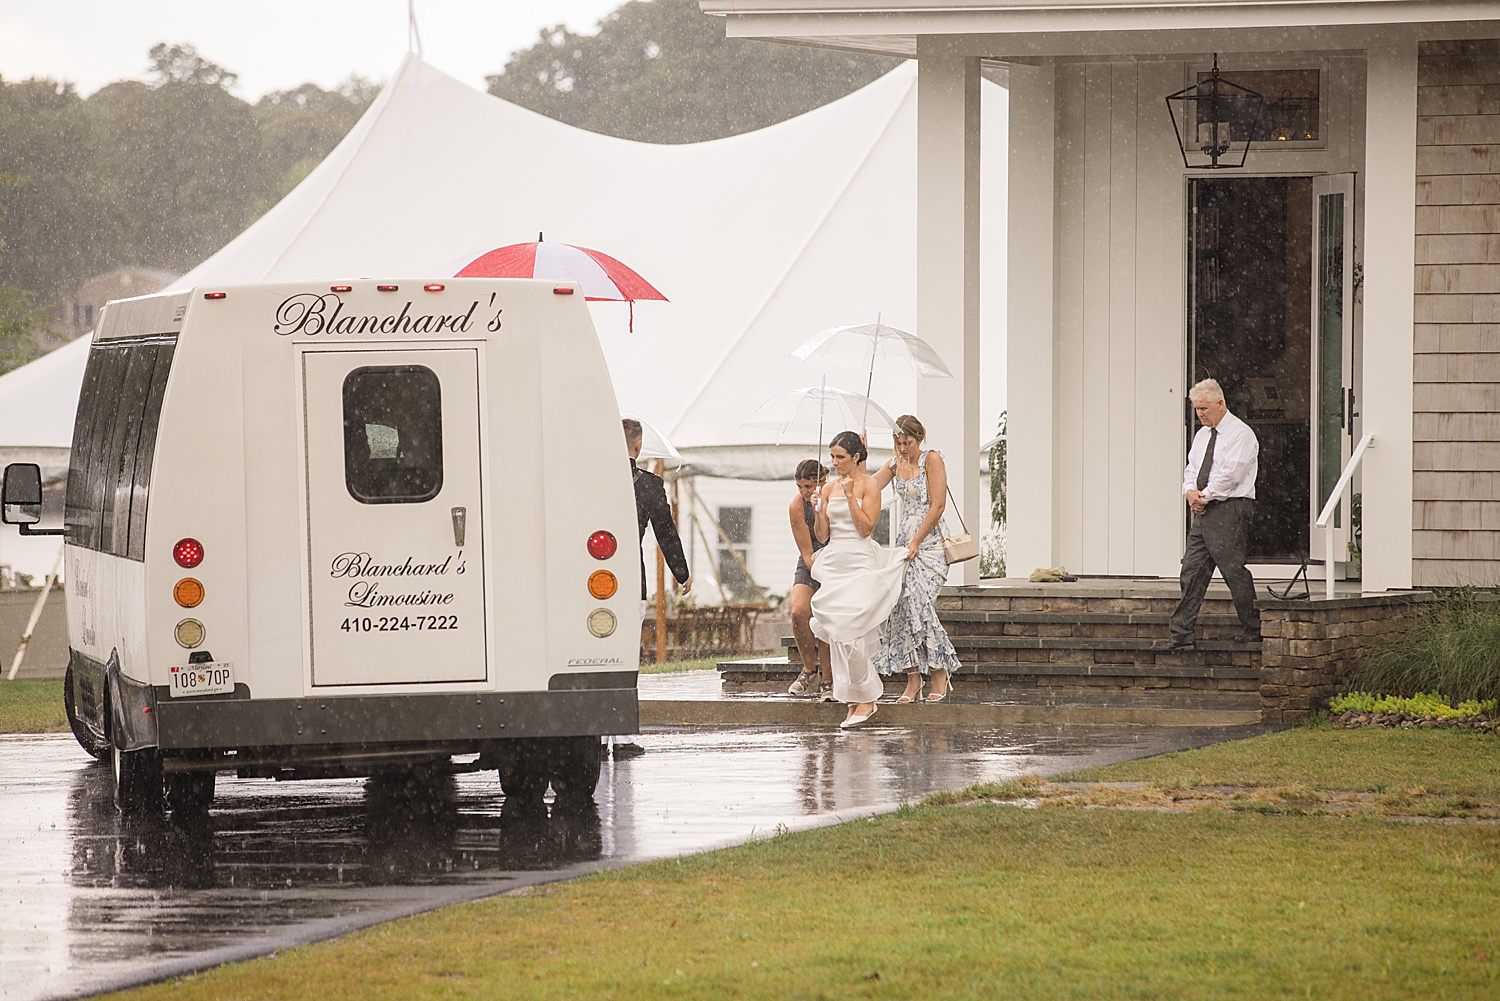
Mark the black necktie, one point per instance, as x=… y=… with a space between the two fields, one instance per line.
x=1208 y=458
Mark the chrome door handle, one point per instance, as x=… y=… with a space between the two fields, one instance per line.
x=460 y=515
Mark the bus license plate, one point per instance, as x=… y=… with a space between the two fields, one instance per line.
x=203 y=679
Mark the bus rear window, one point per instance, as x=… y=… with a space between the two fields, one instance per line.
x=393 y=434
x=114 y=442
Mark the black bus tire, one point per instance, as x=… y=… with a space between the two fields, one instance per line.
x=138 y=780
x=573 y=766
x=80 y=730
x=190 y=793
x=523 y=773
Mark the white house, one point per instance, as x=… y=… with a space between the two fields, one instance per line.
x=1344 y=281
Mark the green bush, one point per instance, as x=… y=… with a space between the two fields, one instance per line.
x=1453 y=649
x=1421 y=704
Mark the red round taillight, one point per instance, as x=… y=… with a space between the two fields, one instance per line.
x=602 y=545
x=188 y=553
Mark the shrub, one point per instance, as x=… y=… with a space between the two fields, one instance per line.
x=1421 y=704
x=1453 y=649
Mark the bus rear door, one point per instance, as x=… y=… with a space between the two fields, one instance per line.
x=394 y=492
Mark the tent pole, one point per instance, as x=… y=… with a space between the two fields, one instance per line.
x=661 y=588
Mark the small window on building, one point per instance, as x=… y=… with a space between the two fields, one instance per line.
x=736 y=523
x=882 y=531
x=1289 y=111
x=393 y=434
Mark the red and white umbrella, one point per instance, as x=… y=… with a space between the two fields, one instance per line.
x=602 y=278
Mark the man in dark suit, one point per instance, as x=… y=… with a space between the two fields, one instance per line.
x=651 y=506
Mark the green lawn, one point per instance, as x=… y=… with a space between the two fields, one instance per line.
x=990 y=900
x=1363 y=760
x=32 y=706
x=672 y=667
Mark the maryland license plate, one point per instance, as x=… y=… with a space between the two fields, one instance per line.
x=203 y=679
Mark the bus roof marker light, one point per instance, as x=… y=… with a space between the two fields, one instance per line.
x=341 y=288
x=602 y=545
x=562 y=291
x=215 y=295
x=387 y=288
x=188 y=553
x=434 y=287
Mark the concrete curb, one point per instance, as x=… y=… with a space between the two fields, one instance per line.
x=748 y=712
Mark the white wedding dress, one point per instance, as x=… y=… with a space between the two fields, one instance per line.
x=855 y=597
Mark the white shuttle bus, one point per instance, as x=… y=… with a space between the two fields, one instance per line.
x=321 y=530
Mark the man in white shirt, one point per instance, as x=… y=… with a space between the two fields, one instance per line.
x=1219 y=484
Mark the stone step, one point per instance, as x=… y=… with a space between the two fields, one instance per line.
x=1083 y=618
x=749 y=712
x=768 y=668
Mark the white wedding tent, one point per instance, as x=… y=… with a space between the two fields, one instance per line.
x=759 y=241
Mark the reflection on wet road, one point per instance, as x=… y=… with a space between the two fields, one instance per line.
x=85 y=895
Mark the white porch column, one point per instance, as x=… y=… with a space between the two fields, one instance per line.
x=1030 y=535
x=1389 y=285
x=948 y=272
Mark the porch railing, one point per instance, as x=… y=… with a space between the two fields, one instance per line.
x=1325 y=518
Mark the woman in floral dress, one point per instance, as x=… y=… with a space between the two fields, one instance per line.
x=915 y=642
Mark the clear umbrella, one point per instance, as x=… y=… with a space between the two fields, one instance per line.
x=818 y=407
x=859 y=346
x=654 y=444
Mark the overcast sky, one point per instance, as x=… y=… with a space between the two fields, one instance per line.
x=274 y=44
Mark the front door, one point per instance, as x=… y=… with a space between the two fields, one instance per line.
x=394 y=499
x=1250 y=327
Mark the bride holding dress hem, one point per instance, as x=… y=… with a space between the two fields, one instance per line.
x=856 y=593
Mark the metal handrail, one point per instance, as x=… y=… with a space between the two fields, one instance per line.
x=1368 y=441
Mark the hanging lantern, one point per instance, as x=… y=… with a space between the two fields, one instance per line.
x=1214 y=120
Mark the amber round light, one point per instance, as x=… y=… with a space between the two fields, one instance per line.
x=188 y=553
x=188 y=592
x=602 y=545
x=190 y=633
x=602 y=622
x=602 y=584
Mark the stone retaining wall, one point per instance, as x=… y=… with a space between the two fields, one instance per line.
x=1308 y=647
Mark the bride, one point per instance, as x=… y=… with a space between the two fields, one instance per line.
x=856 y=594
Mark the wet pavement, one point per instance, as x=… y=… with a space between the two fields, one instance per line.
x=89 y=901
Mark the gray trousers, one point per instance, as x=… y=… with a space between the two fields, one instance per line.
x=1217 y=538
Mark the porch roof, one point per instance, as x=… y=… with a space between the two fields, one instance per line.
x=1020 y=30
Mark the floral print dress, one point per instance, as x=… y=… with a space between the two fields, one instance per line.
x=914 y=639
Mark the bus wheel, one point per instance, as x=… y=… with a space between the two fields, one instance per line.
x=523 y=773
x=80 y=730
x=574 y=766
x=138 y=780
x=190 y=793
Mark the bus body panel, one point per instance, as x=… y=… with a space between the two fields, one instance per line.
x=536 y=450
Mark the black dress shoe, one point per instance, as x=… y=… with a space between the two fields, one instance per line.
x=624 y=752
x=1173 y=646
x=1247 y=638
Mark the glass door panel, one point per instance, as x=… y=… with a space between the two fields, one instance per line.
x=1333 y=325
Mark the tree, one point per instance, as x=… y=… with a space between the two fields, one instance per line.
x=299 y=127
x=663 y=71
x=20 y=319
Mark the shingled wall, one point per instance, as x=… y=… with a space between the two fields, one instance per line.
x=1456 y=420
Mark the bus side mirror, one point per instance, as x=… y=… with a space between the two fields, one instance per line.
x=22 y=494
